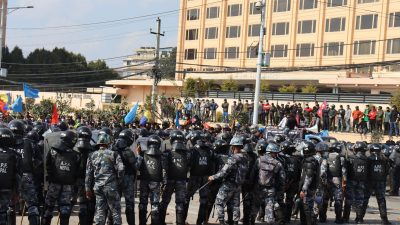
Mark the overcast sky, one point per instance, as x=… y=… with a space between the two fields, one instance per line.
x=94 y=41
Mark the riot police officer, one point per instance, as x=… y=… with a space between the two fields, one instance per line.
x=395 y=158
x=104 y=172
x=322 y=193
x=202 y=163
x=9 y=173
x=177 y=168
x=308 y=182
x=357 y=177
x=83 y=146
x=232 y=174
x=122 y=146
x=152 y=176
x=271 y=180
x=292 y=170
x=378 y=169
x=62 y=164
x=24 y=149
x=337 y=178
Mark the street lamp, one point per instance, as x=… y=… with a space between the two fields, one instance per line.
x=3 y=25
x=260 y=5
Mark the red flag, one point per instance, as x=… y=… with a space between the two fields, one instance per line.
x=323 y=106
x=54 y=117
x=2 y=107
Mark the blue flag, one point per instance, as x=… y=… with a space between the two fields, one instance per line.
x=132 y=114
x=30 y=92
x=17 y=106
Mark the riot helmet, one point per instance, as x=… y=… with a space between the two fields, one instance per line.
x=322 y=147
x=165 y=125
x=115 y=131
x=279 y=138
x=153 y=145
x=126 y=135
x=236 y=141
x=396 y=148
x=195 y=136
x=375 y=148
x=272 y=147
x=62 y=125
x=336 y=147
x=287 y=147
x=17 y=127
x=6 y=137
x=261 y=147
x=360 y=146
x=307 y=148
x=33 y=136
x=103 y=139
x=220 y=146
x=39 y=128
x=68 y=138
x=84 y=133
x=176 y=135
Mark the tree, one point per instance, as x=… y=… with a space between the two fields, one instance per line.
x=230 y=85
x=168 y=65
x=288 y=89
x=43 y=109
x=396 y=99
x=63 y=104
x=264 y=86
x=189 y=87
x=309 y=89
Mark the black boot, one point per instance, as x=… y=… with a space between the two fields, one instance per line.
x=46 y=220
x=338 y=212
x=155 y=218
x=179 y=219
x=34 y=220
x=221 y=222
x=346 y=213
x=383 y=212
x=83 y=218
x=11 y=216
x=130 y=216
x=142 y=217
x=64 y=219
x=202 y=214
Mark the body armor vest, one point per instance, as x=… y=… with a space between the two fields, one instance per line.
x=358 y=168
x=201 y=165
x=65 y=167
x=7 y=170
x=334 y=165
x=377 y=170
x=178 y=165
x=151 y=168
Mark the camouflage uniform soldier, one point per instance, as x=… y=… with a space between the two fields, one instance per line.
x=86 y=206
x=321 y=201
x=9 y=172
x=152 y=174
x=28 y=190
x=177 y=169
x=62 y=165
x=271 y=179
x=104 y=171
x=337 y=178
x=378 y=169
x=233 y=175
x=358 y=172
x=308 y=182
x=125 y=139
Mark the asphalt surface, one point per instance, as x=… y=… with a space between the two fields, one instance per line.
x=372 y=216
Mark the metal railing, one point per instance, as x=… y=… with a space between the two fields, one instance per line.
x=298 y=97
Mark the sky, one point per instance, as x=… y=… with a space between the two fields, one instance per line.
x=40 y=27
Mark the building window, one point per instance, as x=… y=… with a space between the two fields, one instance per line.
x=308 y=4
x=212 y=12
x=253 y=9
x=367 y=1
x=366 y=47
x=279 y=51
x=394 y=19
x=235 y=10
x=193 y=14
x=233 y=32
x=280 y=28
x=393 y=46
x=369 y=21
x=211 y=33
x=333 y=48
x=190 y=69
x=281 y=5
x=231 y=52
x=192 y=34
x=334 y=3
x=190 y=54
x=254 y=30
x=305 y=50
x=306 y=26
x=208 y=69
x=335 y=24
x=252 y=52
x=210 y=53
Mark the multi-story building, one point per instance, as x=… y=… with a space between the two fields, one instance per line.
x=223 y=35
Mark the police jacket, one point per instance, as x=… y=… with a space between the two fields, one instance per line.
x=234 y=171
x=378 y=167
x=10 y=169
x=104 y=169
x=269 y=173
x=177 y=164
x=395 y=158
x=26 y=154
x=310 y=174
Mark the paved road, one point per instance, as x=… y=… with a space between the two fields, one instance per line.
x=372 y=216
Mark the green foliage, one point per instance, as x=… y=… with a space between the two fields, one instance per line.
x=91 y=74
x=288 y=89
x=230 y=85
x=243 y=118
x=264 y=86
x=168 y=65
x=396 y=99
x=63 y=104
x=309 y=89
x=376 y=136
x=43 y=109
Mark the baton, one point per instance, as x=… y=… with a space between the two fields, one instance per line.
x=23 y=214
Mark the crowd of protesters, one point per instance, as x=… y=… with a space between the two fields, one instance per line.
x=330 y=117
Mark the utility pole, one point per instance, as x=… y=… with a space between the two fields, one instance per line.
x=156 y=69
x=3 y=22
x=259 y=5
